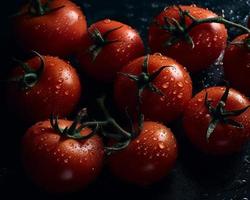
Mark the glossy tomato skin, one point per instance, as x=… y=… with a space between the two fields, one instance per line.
x=174 y=82
x=237 y=65
x=112 y=56
x=210 y=39
x=57 y=91
x=57 y=33
x=59 y=164
x=225 y=139
x=148 y=158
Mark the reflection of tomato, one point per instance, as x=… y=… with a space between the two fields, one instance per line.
x=57 y=91
x=148 y=158
x=237 y=65
x=57 y=163
x=209 y=39
x=225 y=139
x=58 y=32
x=174 y=82
x=126 y=45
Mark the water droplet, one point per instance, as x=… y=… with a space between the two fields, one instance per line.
x=247 y=159
x=107 y=21
x=180 y=84
x=93 y=169
x=157 y=54
x=66 y=160
x=165 y=85
x=180 y=95
x=66 y=93
x=200 y=99
x=161 y=145
x=137 y=141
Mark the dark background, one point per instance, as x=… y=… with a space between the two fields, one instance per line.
x=196 y=176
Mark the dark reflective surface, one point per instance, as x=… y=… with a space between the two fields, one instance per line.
x=195 y=176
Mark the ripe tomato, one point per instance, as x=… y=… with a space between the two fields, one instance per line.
x=209 y=39
x=59 y=32
x=148 y=158
x=174 y=83
x=60 y=164
x=237 y=65
x=109 y=46
x=57 y=90
x=226 y=138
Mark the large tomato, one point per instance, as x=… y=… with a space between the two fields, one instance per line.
x=60 y=164
x=148 y=158
x=109 y=46
x=174 y=83
x=237 y=64
x=209 y=39
x=57 y=32
x=225 y=138
x=57 y=90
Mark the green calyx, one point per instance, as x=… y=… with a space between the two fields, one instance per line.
x=36 y=8
x=74 y=131
x=31 y=76
x=220 y=115
x=100 y=41
x=108 y=128
x=180 y=31
x=145 y=81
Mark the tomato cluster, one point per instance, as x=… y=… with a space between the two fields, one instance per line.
x=149 y=92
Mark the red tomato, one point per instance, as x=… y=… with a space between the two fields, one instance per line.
x=174 y=82
x=209 y=39
x=148 y=158
x=225 y=139
x=237 y=65
x=57 y=163
x=116 y=45
x=57 y=91
x=59 y=32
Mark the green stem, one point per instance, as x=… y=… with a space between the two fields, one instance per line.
x=39 y=7
x=110 y=120
x=220 y=20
